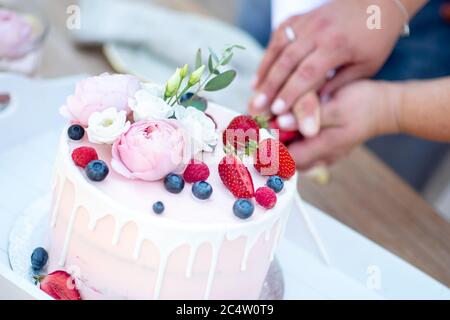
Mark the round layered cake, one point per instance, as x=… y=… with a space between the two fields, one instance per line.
x=109 y=236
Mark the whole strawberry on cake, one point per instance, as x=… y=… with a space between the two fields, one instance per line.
x=160 y=194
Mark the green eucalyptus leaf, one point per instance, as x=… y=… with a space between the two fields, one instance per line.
x=196 y=102
x=221 y=81
x=198 y=58
x=227 y=59
x=210 y=64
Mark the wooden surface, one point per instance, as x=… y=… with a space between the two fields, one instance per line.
x=363 y=193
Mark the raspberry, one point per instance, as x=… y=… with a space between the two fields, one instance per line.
x=83 y=155
x=196 y=171
x=266 y=197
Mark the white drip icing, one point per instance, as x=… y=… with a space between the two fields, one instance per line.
x=192 y=255
x=57 y=201
x=161 y=271
x=73 y=213
x=215 y=249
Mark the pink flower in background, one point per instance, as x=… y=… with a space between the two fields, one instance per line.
x=151 y=149
x=99 y=93
x=16 y=35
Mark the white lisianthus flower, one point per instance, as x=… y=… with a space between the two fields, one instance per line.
x=148 y=103
x=106 y=126
x=200 y=127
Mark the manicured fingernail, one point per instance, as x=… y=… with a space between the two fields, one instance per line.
x=260 y=101
x=254 y=82
x=286 y=121
x=278 y=106
x=309 y=127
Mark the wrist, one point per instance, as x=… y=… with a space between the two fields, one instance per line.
x=393 y=96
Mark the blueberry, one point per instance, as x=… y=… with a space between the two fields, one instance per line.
x=186 y=96
x=275 y=183
x=97 y=170
x=202 y=190
x=243 y=208
x=75 y=132
x=39 y=258
x=158 y=207
x=174 y=183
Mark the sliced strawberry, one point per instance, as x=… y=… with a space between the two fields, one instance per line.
x=240 y=131
x=273 y=158
x=60 y=285
x=236 y=177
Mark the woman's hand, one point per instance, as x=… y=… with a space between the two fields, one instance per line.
x=332 y=37
x=356 y=112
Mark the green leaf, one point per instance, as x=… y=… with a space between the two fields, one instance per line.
x=221 y=81
x=196 y=102
x=227 y=59
x=198 y=59
x=214 y=55
x=210 y=64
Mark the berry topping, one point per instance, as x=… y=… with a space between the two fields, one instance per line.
x=202 y=190
x=273 y=158
x=185 y=97
x=236 y=177
x=97 y=170
x=75 y=132
x=83 y=155
x=39 y=259
x=243 y=208
x=275 y=183
x=240 y=131
x=158 y=207
x=196 y=171
x=59 y=285
x=266 y=197
x=174 y=183
x=284 y=136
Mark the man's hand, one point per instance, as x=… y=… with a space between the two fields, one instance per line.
x=332 y=37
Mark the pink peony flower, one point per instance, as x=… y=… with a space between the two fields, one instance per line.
x=151 y=149
x=16 y=35
x=96 y=94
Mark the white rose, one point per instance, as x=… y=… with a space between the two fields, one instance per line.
x=148 y=103
x=107 y=126
x=200 y=128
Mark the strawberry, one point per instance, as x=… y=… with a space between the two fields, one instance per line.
x=196 y=171
x=273 y=158
x=285 y=136
x=83 y=155
x=240 y=131
x=236 y=177
x=60 y=285
x=266 y=197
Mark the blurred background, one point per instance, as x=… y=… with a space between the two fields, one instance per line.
x=144 y=38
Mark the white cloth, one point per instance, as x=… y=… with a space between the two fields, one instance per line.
x=283 y=9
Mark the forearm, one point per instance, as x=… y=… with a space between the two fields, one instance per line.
x=421 y=108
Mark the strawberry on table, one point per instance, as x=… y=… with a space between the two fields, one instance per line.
x=236 y=177
x=60 y=285
x=273 y=158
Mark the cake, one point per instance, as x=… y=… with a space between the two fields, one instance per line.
x=107 y=232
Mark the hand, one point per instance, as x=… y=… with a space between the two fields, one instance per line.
x=356 y=112
x=332 y=37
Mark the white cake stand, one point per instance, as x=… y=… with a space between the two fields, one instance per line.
x=31 y=230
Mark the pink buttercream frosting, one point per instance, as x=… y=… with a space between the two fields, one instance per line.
x=99 y=93
x=16 y=35
x=150 y=150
